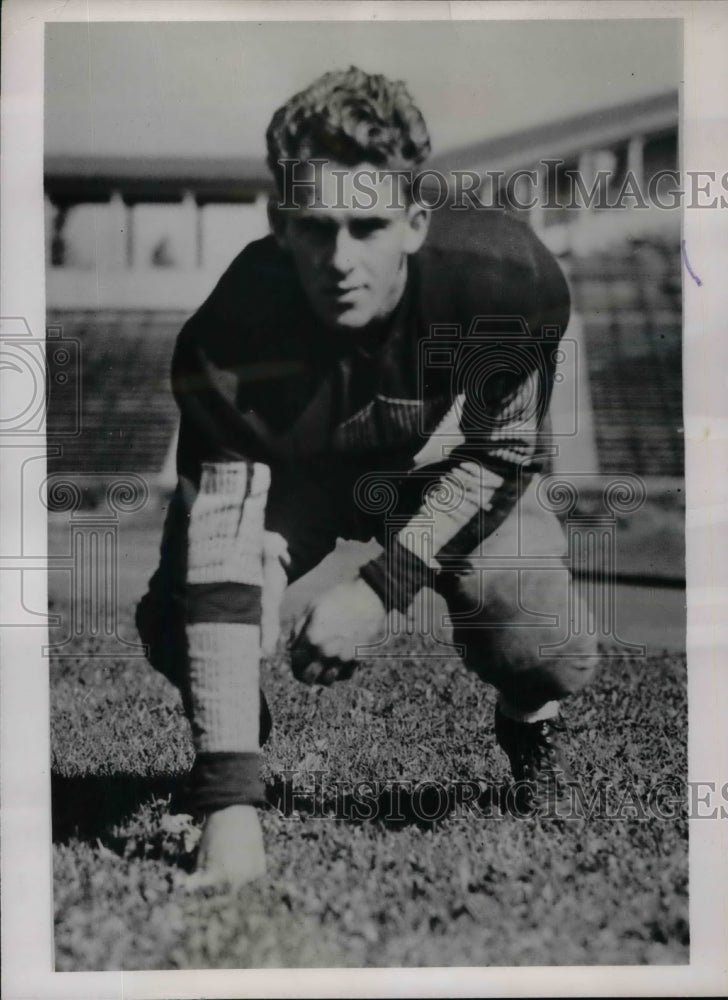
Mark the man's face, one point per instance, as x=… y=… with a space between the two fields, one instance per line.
x=350 y=235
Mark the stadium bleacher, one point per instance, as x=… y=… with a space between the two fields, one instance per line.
x=127 y=412
x=629 y=299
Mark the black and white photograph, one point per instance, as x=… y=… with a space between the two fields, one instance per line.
x=364 y=481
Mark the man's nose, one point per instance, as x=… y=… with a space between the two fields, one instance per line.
x=343 y=251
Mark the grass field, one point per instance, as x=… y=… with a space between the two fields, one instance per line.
x=477 y=887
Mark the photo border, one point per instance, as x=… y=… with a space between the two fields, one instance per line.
x=27 y=923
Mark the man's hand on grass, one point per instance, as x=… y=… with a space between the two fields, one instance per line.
x=231 y=848
x=324 y=640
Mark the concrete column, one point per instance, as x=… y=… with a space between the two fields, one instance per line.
x=572 y=415
x=118 y=222
x=190 y=250
x=635 y=158
x=49 y=215
x=536 y=215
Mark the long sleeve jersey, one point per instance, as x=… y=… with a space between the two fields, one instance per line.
x=450 y=395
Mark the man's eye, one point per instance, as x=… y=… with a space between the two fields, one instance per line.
x=361 y=228
x=316 y=228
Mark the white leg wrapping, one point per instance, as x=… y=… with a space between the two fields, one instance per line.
x=227 y=523
x=224 y=668
x=226 y=533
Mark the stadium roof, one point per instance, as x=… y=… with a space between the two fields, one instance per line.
x=566 y=137
x=157 y=176
x=168 y=177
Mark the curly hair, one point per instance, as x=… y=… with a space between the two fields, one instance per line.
x=352 y=117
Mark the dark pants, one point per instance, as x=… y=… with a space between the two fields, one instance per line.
x=511 y=601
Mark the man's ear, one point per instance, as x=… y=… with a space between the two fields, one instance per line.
x=418 y=224
x=278 y=223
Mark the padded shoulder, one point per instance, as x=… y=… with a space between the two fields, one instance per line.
x=488 y=263
x=256 y=308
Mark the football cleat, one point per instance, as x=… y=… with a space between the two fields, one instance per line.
x=544 y=785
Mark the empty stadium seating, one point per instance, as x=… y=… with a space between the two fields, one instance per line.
x=127 y=412
x=630 y=303
x=629 y=299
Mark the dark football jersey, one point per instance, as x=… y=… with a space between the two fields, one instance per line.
x=451 y=393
